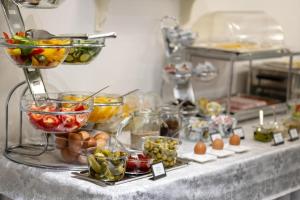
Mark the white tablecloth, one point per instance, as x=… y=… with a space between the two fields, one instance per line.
x=265 y=172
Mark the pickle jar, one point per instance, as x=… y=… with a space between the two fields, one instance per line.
x=144 y=123
x=171 y=121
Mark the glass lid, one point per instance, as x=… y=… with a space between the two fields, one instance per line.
x=239 y=30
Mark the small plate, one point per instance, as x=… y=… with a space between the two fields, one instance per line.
x=237 y=149
x=220 y=153
x=199 y=158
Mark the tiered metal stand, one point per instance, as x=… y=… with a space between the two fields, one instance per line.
x=39 y=154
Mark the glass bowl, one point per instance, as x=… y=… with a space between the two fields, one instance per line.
x=223 y=124
x=161 y=149
x=73 y=147
x=197 y=129
x=138 y=164
x=54 y=115
x=107 y=110
x=84 y=51
x=107 y=165
x=40 y=54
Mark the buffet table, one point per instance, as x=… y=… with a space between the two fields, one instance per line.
x=265 y=172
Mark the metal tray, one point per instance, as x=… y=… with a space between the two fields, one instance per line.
x=83 y=175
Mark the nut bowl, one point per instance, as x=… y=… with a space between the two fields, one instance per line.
x=40 y=54
x=84 y=51
x=161 y=149
x=72 y=147
x=53 y=115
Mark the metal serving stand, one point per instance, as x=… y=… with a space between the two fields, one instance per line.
x=232 y=57
x=39 y=154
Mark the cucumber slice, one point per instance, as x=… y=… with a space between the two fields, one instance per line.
x=85 y=57
x=69 y=58
x=72 y=50
x=94 y=164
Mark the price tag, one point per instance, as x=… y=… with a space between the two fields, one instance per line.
x=158 y=171
x=293 y=134
x=240 y=132
x=278 y=139
x=215 y=135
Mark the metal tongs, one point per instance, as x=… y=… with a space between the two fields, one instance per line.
x=42 y=34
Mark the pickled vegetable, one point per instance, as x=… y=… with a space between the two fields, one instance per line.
x=83 y=55
x=162 y=149
x=107 y=165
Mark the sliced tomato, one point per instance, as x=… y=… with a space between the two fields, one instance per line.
x=79 y=107
x=5 y=35
x=49 y=108
x=50 y=121
x=68 y=120
x=36 y=117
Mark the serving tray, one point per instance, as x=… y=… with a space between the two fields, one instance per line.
x=83 y=175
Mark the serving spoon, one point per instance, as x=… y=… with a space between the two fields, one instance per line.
x=43 y=34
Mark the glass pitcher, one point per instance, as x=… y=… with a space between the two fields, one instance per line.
x=144 y=123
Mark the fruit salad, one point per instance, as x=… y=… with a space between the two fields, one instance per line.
x=26 y=52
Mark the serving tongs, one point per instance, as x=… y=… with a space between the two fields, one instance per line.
x=38 y=34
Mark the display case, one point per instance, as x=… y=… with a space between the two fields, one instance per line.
x=231 y=37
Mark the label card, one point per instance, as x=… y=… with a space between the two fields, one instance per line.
x=240 y=132
x=293 y=134
x=215 y=135
x=158 y=171
x=278 y=139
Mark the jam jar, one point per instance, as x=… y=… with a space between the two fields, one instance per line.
x=172 y=121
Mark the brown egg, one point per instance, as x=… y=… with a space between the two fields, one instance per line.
x=84 y=135
x=200 y=148
x=101 y=143
x=218 y=144
x=234 y=140
x=101 y=135
x=64 y=135
x=75 y=136
x=61 y=142
x=91 y=142
x=68 y=156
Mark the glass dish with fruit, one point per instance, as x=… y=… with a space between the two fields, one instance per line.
x=138 y=163
x=107 y=110
x=84 y=51
x=52 y=114
x=41 y=54
x=73 y=147
x=161 y=149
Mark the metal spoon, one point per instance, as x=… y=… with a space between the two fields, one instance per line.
x=42 y=34
x=128 y=93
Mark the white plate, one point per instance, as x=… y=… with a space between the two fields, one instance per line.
x=219 y=153
x=199 y=158
x=237 y=149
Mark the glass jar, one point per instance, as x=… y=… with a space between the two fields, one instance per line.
x=144 y=123
x=172 y=121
